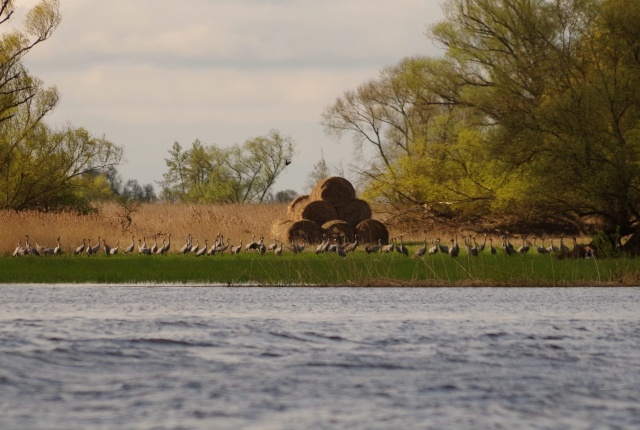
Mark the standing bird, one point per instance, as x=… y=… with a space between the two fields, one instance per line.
x=467 y=244
x=484 y=243
x=58 y=249
x=131 y=247
x=388 y=247
x=107 y=248
x=187 y=246
x=524 y=248
x=475 y=249
x=402 y=249
x=278 y=251
x=420 y=251
x=507 y=247
x=436 y=246
x=165 y=247
x=203 y=251
x=154 y=247
x=194 y=249
x=443 y=248
x=94 y=249
x=19 y=250
x=237 y=249
x=273 y=246
x=80 y=249
x=262 y=249
x=115 y=249
x=492 y=249
x=214 y=248
x=142 y=248
x=323 y=245
x=251 y=245
x=540 y=249
x=222 y=248
x=371 y=248
x=455 y=249
x=353 y=245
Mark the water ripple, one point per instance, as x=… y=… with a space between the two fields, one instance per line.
x=191 y=358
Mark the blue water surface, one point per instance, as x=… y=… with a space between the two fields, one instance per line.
x=160 y=357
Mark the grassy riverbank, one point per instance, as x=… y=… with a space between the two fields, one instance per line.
x=359 y=269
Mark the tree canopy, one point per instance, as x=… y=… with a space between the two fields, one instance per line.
x=42 y=168
x=239 y=173
x=532 y=114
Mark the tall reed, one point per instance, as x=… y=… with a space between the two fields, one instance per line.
x=115 y=222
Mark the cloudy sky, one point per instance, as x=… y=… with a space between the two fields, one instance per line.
x=147 y=73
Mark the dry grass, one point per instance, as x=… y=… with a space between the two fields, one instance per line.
x=236 y=221
x=116 y=223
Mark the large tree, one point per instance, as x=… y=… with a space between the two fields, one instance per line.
x=558 y=84
x=415 y=145
x=534 y=110
x=41 y=168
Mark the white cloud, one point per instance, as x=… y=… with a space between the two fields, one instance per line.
x=147 y=72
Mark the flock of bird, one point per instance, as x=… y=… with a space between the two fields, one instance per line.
x=329 y=245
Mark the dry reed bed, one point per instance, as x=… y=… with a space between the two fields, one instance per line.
x=114 y=223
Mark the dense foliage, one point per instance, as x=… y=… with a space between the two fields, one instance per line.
x=532 y=115
x=42 y=168
x=238 y=174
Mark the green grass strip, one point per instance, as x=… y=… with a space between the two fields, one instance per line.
x=359 y=269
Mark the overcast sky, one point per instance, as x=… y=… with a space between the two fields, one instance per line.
x=147 y=73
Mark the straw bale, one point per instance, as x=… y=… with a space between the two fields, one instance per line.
x=371 y=230
x=291 y=208
x=317 y=211
x=279 y=227
x=336 y=190
x=355 y=212
x=337 y=229
x=303 y=229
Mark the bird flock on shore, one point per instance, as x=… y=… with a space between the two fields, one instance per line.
x=470 y=246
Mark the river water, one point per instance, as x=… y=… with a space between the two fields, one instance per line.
x=79 y=357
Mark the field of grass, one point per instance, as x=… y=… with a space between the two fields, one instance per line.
x=240 y=222
x=357 y=269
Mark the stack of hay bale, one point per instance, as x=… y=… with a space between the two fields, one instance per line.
x=332 y=209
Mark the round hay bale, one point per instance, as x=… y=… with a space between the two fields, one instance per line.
x=335 y=190
x=302 y=230
x=279 y=227
x=317 y=211
x=371 y=230
x=354 y=212
x=337 y=229
x=291 y=208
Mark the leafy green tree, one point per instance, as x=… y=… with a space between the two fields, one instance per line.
x=533 y=114
x=52 y=170
x=41 y=168
x=407 y=138
x=559 y=88
x=240 y=173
